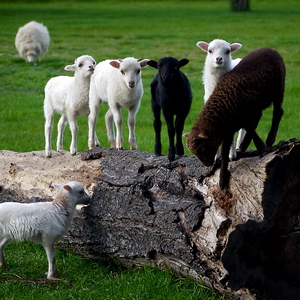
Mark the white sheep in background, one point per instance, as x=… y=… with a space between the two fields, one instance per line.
x=119 y=84
x=32 y=41
x=68 y=96
x=41 y=222
x=219 y=62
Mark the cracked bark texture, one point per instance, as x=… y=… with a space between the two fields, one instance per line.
x=243 y=243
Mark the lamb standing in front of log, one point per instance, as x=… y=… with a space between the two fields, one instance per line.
x=171 y=93
x=237 y=102
x=41 y=222
x=119 y=84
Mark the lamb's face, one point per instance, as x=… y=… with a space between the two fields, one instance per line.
x=203 y=147
x=83 y=65
x=219 y=54
x=168 y=69
x=31 y=53
x=130 y=70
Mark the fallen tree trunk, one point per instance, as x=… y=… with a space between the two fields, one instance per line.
x=145 y=210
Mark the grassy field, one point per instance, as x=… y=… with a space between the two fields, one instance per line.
x=117 y=29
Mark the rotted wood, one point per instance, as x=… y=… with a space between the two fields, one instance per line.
x=242 y=243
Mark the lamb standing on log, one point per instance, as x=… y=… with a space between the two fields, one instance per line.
x=217 y=63
x=32 y=41
x=237 y=102
x=68 y=96
x=41 y=222
x=171 y=93
x=119 y=84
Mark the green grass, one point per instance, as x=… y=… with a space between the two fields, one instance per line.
x=85 y=279
x=116 y=29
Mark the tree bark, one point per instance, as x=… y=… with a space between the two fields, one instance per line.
x=242 y=243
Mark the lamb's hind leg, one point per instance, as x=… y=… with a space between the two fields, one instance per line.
x=277 y=115
x=3 y=243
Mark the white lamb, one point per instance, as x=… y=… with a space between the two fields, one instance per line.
x=32 y=41
x=41 y=222
x=68 y=96
x=219 y=62
x=119 y=84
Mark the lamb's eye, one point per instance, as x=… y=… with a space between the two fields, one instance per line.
x=138 y=71
x=123 y=73
x=210 y=51
x=80 y=65
x=227 y=52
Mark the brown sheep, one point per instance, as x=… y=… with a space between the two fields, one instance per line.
x=237 y=102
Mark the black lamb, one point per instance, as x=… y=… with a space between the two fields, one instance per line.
x=171 y=93
x=237 y=102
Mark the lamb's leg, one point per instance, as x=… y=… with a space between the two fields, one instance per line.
x=52 y=271
x=224 y=173
x=179 y=125
x=277 y=115
x=109 y=120
x=157 y=128
x=240 y=138
x=3 y=243
x=92 y=120
x=131 y=125
x=250 y=131
x=171 y=134
x=48 y=133
x=232 y=152
x=74 y=133
x=60 y=132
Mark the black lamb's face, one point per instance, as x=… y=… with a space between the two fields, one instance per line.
x=203 y=147
x=168 y=69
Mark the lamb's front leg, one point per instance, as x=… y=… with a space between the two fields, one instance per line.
x=157 y=128
x=74 y=133
x=171 y=134
x=179 y=125
x=131 y=125
x=52 y=271
x=224 y=173
x=60 y=133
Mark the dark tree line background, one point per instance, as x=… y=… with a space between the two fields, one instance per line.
x=240 y=5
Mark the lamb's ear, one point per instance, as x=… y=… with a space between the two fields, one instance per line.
x=57 y=186
x=144 y=63
x=187 y=134
x=183 y=62
x=235 y=46
x=201 y=136
x=115 y=64
x=152 y=63
x=70 y=67
x=67 y=188
x=203 y=46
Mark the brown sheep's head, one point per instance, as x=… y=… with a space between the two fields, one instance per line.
x=205 y=148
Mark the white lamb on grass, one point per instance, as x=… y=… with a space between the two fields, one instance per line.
x=217 y=63
x=68 y=96
x=119 y=84
x=41 y=222
x=32 y=41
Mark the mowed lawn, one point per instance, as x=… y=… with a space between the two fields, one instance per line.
x=117 y=29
